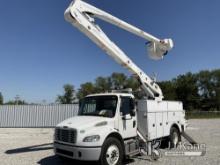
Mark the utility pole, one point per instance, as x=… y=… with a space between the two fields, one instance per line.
x=17 y=98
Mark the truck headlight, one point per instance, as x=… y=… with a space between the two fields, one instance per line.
x=93 y=138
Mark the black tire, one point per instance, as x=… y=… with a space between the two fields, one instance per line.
x=111 y=142
x=63 y=159
x=174 y=137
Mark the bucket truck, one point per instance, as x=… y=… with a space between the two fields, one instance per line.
x=112 y=126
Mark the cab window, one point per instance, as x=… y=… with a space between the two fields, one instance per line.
x=126 y=107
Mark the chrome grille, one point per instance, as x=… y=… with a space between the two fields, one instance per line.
x=65 y=135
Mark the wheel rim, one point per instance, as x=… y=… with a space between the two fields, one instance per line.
x=175 y=138
x=112 y=155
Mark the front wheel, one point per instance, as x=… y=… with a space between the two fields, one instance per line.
x=112 y=152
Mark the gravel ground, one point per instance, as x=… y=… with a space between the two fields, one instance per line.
x=34 y=146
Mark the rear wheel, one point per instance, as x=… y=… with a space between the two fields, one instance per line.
x=112 y=152
x=175 y=137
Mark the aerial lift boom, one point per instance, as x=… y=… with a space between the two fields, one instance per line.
x=114 y=128
x=82 y=15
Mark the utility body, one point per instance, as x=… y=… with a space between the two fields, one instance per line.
x=112 y=126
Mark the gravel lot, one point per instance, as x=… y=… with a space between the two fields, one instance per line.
x=34 y=146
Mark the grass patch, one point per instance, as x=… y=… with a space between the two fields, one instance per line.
x=203 y=115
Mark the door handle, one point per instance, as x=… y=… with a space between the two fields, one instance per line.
x=134 y=123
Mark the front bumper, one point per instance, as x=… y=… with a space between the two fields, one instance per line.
x=77 y=152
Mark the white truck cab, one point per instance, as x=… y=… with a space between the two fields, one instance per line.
x=108 y=126
x=100 y=116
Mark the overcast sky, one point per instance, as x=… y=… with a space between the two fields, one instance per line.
x=40 y=52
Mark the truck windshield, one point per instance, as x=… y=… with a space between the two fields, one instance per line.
x=104 y=106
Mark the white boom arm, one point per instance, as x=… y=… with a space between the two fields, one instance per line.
x=82 y=15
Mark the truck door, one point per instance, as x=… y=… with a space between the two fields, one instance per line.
x=127 y=120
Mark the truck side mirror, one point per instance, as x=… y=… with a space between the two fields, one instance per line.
x=132 y=113
x=132 y=107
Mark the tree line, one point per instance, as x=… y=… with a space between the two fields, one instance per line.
x=197 y=91
x=12 y=102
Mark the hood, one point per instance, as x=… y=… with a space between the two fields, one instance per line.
x=82 y=122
